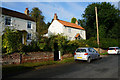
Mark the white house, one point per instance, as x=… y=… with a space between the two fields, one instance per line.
x=19 y=21
x=71 y=30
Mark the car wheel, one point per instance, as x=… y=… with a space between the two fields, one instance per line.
x=98 y=57
x=75 y=59
x=89 y=60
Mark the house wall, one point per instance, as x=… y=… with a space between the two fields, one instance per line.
x=73 y=33
x=20 y=24
x=55 y=28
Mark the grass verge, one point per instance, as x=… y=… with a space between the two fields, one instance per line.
x=104 y=53
x=13 y=69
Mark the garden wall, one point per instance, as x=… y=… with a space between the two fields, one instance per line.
x=30 y=57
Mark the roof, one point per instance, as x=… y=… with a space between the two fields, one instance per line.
x=70 y=24
x=77 y=35
x=16 y=14
x=113 y=47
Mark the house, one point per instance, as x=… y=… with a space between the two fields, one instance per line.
x=19 y=21
x=72 y=30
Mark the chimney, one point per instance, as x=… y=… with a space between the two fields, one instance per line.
x=55 y=16
x=26 y=11
x=76 y=22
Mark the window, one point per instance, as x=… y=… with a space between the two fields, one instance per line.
x=29 y=36
x=81 y=50
x=7 y=20
x=90 y=49
x=69 y=30
x=29 y=25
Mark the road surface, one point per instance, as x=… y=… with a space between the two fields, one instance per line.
x=107 y=67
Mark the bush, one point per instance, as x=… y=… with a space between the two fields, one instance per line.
x=108 y=42
x=73 y=45
x=92 y=42
x=104 y=42
x=64 y=45
x=11 y=40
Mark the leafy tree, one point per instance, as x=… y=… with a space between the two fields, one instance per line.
x=36 y=14
x=73 y=20
x=107 y=18
x=81 y=22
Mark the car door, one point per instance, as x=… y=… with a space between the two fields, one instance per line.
x=90 y=52
x=94 y=53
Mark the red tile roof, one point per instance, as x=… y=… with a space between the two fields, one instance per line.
x=70 y=24
x=77 y=35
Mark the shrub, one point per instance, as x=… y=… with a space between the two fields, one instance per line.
x=11 y=40
x=92 y=42
x=104 y=42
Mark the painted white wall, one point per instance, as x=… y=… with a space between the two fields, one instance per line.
x=57 y=28
x=73 y=33
x=20 y=24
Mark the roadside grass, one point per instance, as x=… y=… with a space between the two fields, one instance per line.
x=104 y=53
x=17 y=68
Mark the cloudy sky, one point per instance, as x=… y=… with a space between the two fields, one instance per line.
x=65 y=10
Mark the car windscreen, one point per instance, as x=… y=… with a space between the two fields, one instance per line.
x=81 y=50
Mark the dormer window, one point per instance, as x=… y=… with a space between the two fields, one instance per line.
x=8 y=21
x=29 y=24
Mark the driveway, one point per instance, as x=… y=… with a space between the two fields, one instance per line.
x=107 y=67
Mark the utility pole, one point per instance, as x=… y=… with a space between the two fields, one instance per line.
x=97 y=29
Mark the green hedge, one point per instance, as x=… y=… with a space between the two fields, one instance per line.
x=104 y=42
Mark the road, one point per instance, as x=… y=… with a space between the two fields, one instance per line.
x=107 y=67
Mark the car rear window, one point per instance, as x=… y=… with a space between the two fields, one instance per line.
x=111 y=48
x=81 y=50
x=117 y=48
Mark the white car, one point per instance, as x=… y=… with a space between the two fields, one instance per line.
x=113 y=50
x=86 y=54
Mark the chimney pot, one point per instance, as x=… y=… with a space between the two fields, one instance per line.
x=76 y=22
x=26 y=11
x=55 y=16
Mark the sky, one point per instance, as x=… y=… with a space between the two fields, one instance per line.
x=65 y=10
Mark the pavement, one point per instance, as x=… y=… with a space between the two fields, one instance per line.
x=107 y=68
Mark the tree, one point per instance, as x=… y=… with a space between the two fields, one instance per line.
x=73 y=20
x=81 y=22
x=36 y=14
x=107 y=18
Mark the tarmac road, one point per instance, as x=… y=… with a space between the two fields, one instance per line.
x=107 y=67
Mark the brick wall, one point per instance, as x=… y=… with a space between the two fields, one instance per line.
x=30 y=57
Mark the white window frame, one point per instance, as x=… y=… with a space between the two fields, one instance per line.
x=29 y=23
x=10 y=21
